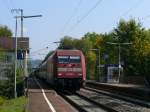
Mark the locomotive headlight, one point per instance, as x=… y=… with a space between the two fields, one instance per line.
x=80 y=74
x=59 y=74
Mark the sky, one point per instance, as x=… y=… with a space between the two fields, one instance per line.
x=69 y=17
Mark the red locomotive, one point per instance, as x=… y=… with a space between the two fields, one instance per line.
x=64 y=69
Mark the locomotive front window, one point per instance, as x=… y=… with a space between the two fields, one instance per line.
x=75 y=59
x=63 y=59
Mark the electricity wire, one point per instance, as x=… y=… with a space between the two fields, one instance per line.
x=12 y=3
x=76 y=9
x=37 y=51
x=132 y=8
x=83 y=17
x=138 y=3
x=6 y=5
x=144 y=18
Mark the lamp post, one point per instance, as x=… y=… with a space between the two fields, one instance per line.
x=25 y=58
x=26 y=54
x=17 y=11
x=119 y=57
x=15 y=92
x=22 y=17
x=98 y=62
x=16 y=47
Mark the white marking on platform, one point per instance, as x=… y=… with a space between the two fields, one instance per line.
x=45 y=97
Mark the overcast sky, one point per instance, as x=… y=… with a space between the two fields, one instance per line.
x=69 y=17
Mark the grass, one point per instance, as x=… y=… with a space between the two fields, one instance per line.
x=13 y=105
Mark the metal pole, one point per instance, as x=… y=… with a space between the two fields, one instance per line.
x=15 y=92
x=25 y=64
x=21 y=22
x=119 y=66
x=98 y=59
x=25 y=73
x=99 y=63
x=17 y=11
x=119 y=50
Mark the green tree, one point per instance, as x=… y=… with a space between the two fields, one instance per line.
x=135 y=56
x=93 y=37
x=66 y=43
x=91 y=63
x=5 y=32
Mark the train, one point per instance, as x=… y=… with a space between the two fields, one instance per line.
x=64 y=69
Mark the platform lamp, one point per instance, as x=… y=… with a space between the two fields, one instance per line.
x=119 y=57
x=98 y=62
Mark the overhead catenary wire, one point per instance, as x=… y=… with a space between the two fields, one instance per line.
x=9 y=4
x=75 y=11
x=12 y=3
x=137 y=4
x=84 y=16
x=39 y=50
x=6 y=5
x=145 y=17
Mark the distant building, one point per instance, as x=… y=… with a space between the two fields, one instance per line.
x=7 y=54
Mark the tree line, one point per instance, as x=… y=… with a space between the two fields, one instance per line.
x=135 y=56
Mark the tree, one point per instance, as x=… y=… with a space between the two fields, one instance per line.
x=5 y=32
x=135 y=56
x=93 y=37
x=91 y=63
x=66 y=43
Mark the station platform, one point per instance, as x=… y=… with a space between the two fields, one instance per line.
x=136 y=91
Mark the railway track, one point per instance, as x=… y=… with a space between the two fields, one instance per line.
x=118 y=96
x=87 y=100
x=83 y=104
x=109 y=102
x=132 y=91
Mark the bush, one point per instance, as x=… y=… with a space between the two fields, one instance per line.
x=2 y=100
x=20 y=86
x=7 y=89
x=14 y=105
